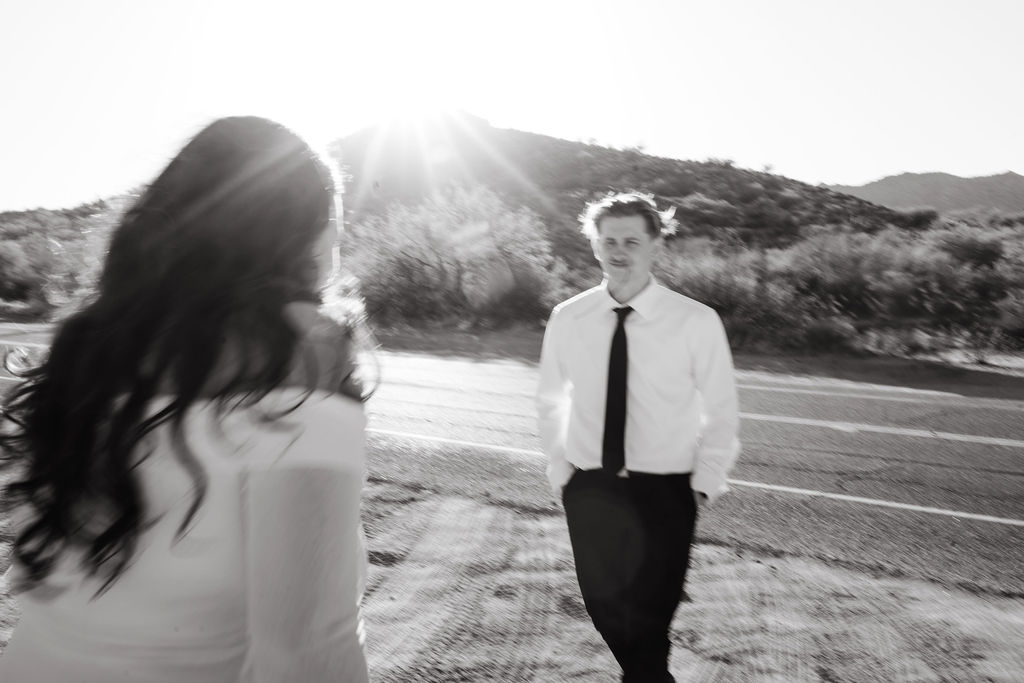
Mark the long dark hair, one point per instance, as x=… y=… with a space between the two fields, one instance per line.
x=196 y=280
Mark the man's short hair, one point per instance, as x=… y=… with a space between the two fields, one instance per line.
x=659 y=223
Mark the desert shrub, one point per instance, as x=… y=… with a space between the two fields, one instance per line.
x=912 y=282
x=916 y=219
x=1012 y=264
x=766 y=222
x=948 y=281
x=788 y=199
x=758 y=312
x=1007 y=220
x=50 y=259
x=463 y=252
x=724 y=282
x=834 y=270
x=969 y=298
x=775 y=319
x=834 y=333
x=702 y=214
x=20 y=278
x=978 y=218
x=969 y=247
x=1011 y=314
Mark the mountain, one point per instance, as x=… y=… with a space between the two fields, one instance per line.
x=943 y=192
x=405 y=161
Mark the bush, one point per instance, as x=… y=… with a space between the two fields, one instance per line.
x=702 y=214
x=724 y=282
x=833 y=269
x=830 y=334
x=50 y=259
x=916 y=219
x=21 y=279
x=462 y=253
x=1011 y=314
x=972 y=249
x=756 y=311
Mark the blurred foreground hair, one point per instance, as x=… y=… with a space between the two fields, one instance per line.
x=190 y=304
x=659 y=223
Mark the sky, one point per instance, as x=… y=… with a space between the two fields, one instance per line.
x=96 y=97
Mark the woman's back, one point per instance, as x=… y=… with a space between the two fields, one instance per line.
x=264 y=584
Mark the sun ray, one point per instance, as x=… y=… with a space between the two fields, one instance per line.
x=511 y=169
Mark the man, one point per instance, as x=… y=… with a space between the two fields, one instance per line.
x=638 y=417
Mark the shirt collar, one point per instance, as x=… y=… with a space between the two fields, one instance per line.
x=644 y=303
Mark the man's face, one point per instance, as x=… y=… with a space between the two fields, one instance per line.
x=626 y=250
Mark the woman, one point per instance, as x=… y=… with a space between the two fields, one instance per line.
x=186 y=464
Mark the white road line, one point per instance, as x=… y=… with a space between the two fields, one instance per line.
x=851 y=427
x=880 y=503
x=835 y=383
x=846 y=427
x=945 y=399
x=735 y=482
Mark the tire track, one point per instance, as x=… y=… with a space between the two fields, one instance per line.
x=396 y=526
x=410 y=604
x=506 y=622
x=464 y=630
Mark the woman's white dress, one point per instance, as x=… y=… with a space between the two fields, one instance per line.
x=264 y=586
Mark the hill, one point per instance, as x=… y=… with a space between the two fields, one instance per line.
x=839 y=272
x=406 y=161
x=943 y=192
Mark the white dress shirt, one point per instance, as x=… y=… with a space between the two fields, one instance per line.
x=682 y=411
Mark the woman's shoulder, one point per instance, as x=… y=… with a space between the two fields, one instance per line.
x=289 y=427
x=325 y=355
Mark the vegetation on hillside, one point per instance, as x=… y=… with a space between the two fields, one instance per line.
x=460 y=223
x=50 y=258
x=405 y=162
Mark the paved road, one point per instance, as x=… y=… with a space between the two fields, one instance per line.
x=928 y=449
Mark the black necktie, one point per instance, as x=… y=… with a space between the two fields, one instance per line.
x=613 y=452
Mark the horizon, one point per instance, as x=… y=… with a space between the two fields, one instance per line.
x=845 y=95
x=329 y=142
x=383 y=124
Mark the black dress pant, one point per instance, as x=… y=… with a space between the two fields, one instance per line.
x=631 y=542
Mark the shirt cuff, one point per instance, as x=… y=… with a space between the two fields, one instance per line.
x=710 y=474
x=709 y=484
x=559 y=474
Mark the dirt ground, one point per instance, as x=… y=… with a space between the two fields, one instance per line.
x=463 y=590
